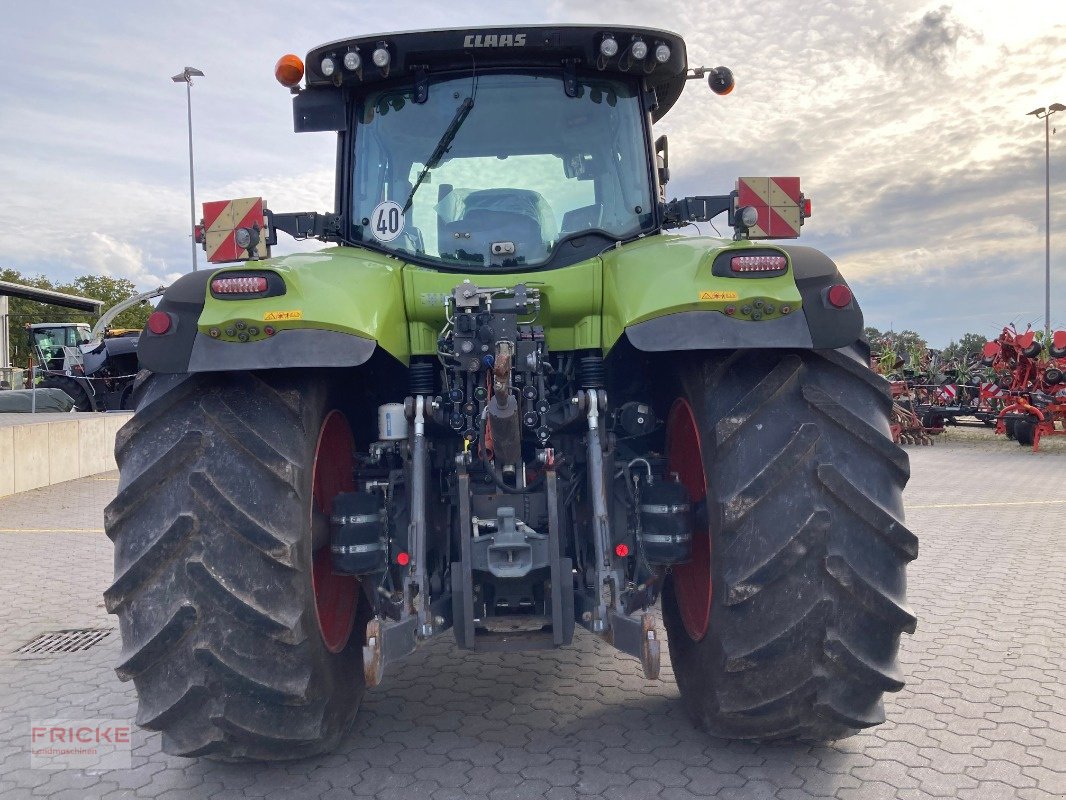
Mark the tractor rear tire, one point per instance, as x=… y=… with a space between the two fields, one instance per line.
x=242 y=644
x=73 y=390
x=786 y=623
x=1025 y=430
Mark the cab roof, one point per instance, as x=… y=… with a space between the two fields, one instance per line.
x=415 y=54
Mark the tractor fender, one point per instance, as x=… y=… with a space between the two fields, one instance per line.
x=184 y=349
x=326 y=294
x=819 y=326
x=815 y=273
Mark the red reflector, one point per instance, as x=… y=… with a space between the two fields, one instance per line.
x=244 y=284
x=806 y=208
x=403 y=558
x=839 y=295
x=159 y=322
x=621 y=550
x=758 y=263
x=198 y=234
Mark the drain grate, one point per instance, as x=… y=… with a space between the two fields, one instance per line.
x=70 y=641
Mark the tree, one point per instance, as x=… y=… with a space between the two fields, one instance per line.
x=113 y=291
x=871 y=334
x=26 y=312
x=967 y=348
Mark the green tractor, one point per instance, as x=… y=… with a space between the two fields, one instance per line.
x=507 y=402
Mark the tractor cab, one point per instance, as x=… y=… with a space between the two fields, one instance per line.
x=56 y=345
x=497 y=150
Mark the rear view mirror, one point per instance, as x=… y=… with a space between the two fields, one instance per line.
x=662 y=158
x=319 y=110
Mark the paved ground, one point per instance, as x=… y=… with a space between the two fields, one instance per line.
x=983 y=714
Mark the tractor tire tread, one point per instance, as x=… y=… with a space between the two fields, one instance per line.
x=808 y=575
x=195 y=555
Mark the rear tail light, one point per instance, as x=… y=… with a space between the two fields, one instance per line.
x=839 y=296
x=242 y=285
x=758 y=263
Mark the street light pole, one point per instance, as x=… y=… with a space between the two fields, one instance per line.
x=186 y=77
x=1044 y=114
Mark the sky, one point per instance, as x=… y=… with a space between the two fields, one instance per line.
x=905 y=120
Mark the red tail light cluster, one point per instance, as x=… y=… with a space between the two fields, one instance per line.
x=758 y=263
x=244 y=284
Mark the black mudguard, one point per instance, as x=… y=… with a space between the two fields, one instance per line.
x=821 y=326
x=184 y=349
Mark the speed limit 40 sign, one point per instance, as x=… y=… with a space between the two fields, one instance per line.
x=386 y=223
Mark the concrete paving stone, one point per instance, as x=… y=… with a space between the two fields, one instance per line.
x=482 y=780
x=779 y=774
x=682 y=794
x=827 y=783
x=1004 y=772
x=804 y=793
x=1037 y=794
x=707 y=781
x=917 y=794
x=869 y=791
x=665 y=772
x=1007 y=751
x=417 y=789
x=596 y=780
x=527 y=790
x=941 y=782
x=337 y=793
x=885 y=771
x=1049 y=780
x=554 y=771
x=752 y=790
x=988 y=790
x=453 y=774
x=1052 y=758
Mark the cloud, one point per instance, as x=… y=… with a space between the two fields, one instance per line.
x=926 y=42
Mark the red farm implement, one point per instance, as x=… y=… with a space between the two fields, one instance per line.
x=1034 y=382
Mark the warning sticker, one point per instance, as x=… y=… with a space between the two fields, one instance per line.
x=711 y=296
x=386 y=222
x=277 y=316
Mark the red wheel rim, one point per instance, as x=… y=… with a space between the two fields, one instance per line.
x=336 y=596
x=692 y=581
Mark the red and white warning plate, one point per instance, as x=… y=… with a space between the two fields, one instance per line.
x=779 y=203
x=222 y=218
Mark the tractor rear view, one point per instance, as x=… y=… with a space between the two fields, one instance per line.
x=506 y=403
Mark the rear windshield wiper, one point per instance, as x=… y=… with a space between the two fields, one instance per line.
x=442 y=146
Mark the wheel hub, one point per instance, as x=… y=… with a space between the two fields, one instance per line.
x=336 y=596
x=692 y=580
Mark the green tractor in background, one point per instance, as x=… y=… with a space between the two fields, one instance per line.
x=507 y=402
